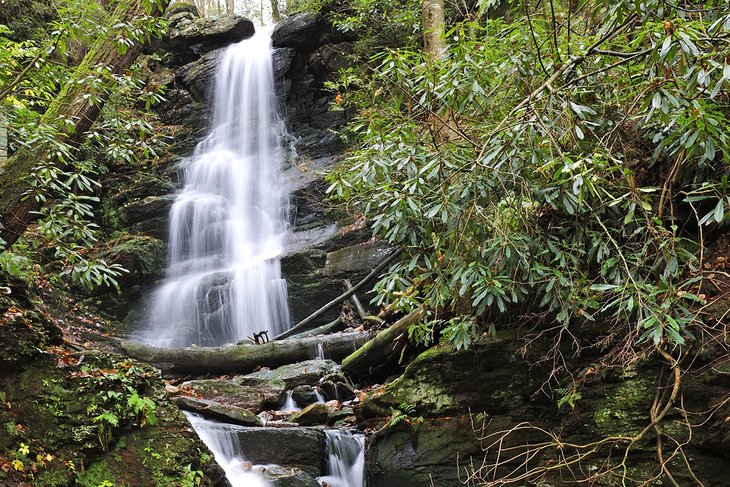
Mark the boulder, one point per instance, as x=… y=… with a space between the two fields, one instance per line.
x=308 y=289
x=299 y=31
x=199 y=76
x=190 y=37
x=356 y=261
x=304 y=395
x=330 y=58
x=311 y=415
x=256 y=396
x=438 y=453
x=216 y=410
x=278 y=476
x=441 y=382
x=289 y=447
x=303 y=373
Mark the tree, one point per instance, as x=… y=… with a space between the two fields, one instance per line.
x=73 y=112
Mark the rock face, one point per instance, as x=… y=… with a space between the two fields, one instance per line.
x=439 y=439
x=301 y=448
x=189 y=37
x=72 y=412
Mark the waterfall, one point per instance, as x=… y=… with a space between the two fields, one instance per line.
x=345 y=459
x=222 y=440
x=227 y=226
x=290 y=404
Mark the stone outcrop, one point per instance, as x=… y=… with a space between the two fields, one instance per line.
x=437 y=438
x=301 y=448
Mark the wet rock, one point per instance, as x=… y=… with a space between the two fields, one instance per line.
x=308 y=289
x=216 y=410
x=289 y=477
x=311 y=415
x=300 y=31
x=427 y=457
x=298 y=447
x=304 y=395
x=303 y=373
x=341 y=416
x=199 y=76
x=356 y=261
x=143 y=210
x=335 y=387
x=254 y=397
x=24 y=329
x=190 y=37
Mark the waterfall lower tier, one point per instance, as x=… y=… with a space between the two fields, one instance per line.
x=345 y=459
x=222 y=440
x=228 y=225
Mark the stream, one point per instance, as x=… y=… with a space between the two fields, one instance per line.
x=228 y=228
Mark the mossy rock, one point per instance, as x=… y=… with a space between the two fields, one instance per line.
x=25 y=330
x=52 y=409
x=441 y=381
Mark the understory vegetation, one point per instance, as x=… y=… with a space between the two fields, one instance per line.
x=42 y=50
x=563 y=168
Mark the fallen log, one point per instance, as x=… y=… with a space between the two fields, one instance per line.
x=245 y=357
x=382 y=349
x=307 y=322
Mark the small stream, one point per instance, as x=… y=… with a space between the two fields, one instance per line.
x=345 y=459
x=222 y=440
x=227 y=230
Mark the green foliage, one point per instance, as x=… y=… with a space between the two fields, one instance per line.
x=569 y=154
x=120 y=399
x=66 y=179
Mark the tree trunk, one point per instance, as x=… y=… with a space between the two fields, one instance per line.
x=381 y=351
x=433 y=22
x=70 y=104
x=246 y=357
x=275 y=12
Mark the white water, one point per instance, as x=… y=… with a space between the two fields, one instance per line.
x=320 y=352
x=222 y=440
x=345 y=459
x=318 y=395
x=290 y=404
x=228 y=224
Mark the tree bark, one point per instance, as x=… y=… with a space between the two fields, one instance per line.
x=70 y=104
x=246 y=357
x=381 y=350
x=433 y=23
x=275 y=12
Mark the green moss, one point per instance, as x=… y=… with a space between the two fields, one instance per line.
x=625 y=409
x=97 y=474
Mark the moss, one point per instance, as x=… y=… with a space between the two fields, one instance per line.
x=624 y=410
x=97 y=474
x=140 y=254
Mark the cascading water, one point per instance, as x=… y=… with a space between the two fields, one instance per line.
x=222 y=440
x=227 y=226
x=345 y=459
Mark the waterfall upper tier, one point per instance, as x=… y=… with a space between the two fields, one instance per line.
x=229 y=223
